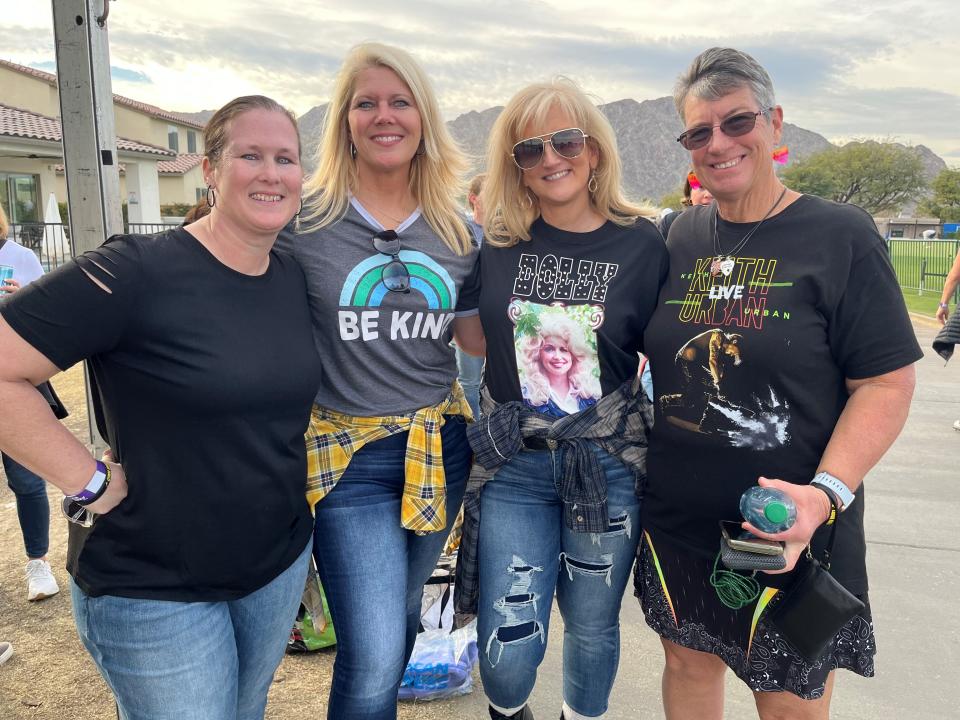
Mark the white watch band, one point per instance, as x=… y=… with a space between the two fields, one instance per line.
x=838 y=487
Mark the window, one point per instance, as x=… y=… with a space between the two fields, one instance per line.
x=20 y=197
x=173 y=138
x=898 y=232
x=191 y=141
x=201 y=192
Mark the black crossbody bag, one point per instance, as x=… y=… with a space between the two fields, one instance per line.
x=814 y=606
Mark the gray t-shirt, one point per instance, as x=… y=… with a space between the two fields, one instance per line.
x=383 y=352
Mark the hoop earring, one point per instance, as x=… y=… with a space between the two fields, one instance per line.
x=353 y=151
x=211 y=196
x=529 y=201
x=592 y=183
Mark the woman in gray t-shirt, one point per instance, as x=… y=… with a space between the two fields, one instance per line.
x=390 y=268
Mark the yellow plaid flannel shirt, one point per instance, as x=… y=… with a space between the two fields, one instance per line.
x=333 y=438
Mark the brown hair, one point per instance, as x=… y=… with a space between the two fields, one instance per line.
x=476 y=185
x=4 y=225
x=217 y=129
x=201 y=209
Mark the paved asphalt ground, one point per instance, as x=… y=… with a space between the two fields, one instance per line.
x=913 y=559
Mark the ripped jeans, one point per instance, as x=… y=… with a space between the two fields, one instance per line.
x=525 y=553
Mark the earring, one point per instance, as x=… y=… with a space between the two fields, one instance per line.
x=353 y=150
x=211 y=196
x=592 y=183
x=529 y=201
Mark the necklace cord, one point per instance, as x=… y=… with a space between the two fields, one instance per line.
x=718 y=251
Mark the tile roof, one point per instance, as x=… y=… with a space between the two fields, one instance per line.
x=15 y=122
x=143 y=107
x=179 y=165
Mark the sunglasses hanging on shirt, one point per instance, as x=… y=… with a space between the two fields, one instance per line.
x=395 y=274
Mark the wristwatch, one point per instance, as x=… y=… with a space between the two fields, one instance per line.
x=842 y=495
x=943 y=306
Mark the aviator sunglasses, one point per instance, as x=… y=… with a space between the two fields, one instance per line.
x=395 y=274
x=733 y=126
x=568 y=144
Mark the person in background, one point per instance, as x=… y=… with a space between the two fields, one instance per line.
x=943 y=308
x=390 y=266
x=693 y=194
x=33 y=508
x=470 y=367
x=782 y=355
x=570 y=273
x=190 y=537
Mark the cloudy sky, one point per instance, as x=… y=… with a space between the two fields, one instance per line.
x=847 y=69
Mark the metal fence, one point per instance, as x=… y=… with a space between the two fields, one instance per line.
x=51 y=241
x=922 y=265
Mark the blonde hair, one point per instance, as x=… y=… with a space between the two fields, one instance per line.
x=508 y=207
x=435 y=175
x=4 y=224
x=580 y=375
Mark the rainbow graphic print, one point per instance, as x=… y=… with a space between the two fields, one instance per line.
x=364 y=287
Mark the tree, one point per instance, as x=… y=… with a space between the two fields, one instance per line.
x=879 y=177
x=945 y=203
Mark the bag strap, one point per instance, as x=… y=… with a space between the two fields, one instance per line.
x=827 y=550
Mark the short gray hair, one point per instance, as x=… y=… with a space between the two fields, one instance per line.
x=719 y=71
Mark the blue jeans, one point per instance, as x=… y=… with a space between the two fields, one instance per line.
x=33 y=508
x=470 y=369
x=527 y=552
x=168 y=660
x=373 y=570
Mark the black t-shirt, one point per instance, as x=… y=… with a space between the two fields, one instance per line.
x=564 y=313
x=206 y=377
x=749 y=365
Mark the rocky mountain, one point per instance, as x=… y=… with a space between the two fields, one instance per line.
x=201 y=116
x=654 y=163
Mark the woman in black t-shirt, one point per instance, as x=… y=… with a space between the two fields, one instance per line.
x=780 y=348
x=569 y=275
x=187 y=582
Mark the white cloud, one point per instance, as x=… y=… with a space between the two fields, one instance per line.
x=883 y=67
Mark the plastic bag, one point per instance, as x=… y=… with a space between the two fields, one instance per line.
x=313 y=628
x=442 y=661
x=441 y=665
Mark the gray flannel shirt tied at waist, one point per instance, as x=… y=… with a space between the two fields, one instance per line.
x=619 y=424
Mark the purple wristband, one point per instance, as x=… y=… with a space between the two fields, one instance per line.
x=95 y=488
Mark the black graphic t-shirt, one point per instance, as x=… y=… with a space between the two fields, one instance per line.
x=749 y=358
x=564 y=313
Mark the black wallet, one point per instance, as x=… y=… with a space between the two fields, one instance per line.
x=813 y=609
x=743 y=560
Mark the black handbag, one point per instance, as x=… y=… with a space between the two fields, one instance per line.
x=814 y=606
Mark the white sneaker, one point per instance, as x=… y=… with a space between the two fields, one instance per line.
x=40 y=580
x=6 y=652
x=956 y=425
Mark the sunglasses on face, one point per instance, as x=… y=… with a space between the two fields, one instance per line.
x=395 y=274
x=568 y=144
x=733 y=126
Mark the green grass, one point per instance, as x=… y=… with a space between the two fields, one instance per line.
x=925 y=304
